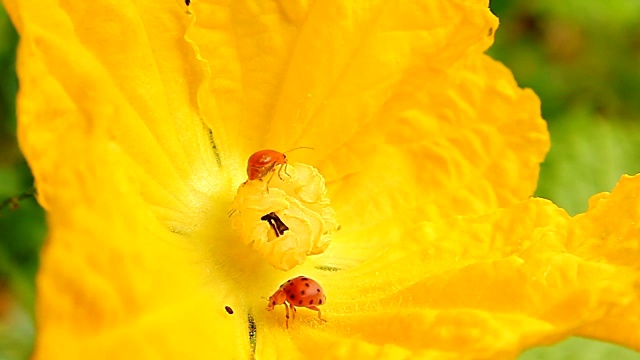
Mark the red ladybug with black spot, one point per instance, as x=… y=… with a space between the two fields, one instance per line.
x=298 y=292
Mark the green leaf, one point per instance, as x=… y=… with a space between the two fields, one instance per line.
x=580 y=349
x=588 y=155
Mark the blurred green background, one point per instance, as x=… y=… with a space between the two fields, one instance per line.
x=21 y=230
x=582 y=57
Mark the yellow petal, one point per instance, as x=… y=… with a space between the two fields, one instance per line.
x=468 y=144
x=429 y=334
x=114 y=282
x=608 y=233
x=408 y=119
x=118 y=68
x=610 y=229
x=275 y=63
x=109 y=124
x=493 y=285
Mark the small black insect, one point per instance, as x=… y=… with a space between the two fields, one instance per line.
x=229 y=310
x=276 y=224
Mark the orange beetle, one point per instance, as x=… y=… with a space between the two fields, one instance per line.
x=263 y=162
x=301 y=292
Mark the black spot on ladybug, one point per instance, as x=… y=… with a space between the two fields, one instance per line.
x=229 y=310
x=305 y=279
x=292 y=296
x=273 y=303
x=320 y=302
x=306 y=284
x=302 y=292
x=317 y=290
x=300 y=302
x=311 y=302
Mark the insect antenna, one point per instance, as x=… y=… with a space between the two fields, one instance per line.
x=301 y=147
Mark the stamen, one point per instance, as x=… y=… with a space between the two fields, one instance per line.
x=290 y=221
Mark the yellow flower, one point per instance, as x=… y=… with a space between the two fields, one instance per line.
x=137 y=119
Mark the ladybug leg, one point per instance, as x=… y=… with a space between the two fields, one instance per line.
x=315 y=308
x=286 y=308
x=294 y=311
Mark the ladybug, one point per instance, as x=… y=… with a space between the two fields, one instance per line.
x=298 y=292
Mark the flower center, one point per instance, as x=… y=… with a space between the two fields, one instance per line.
x=285 y=216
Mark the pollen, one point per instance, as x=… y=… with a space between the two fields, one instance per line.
x=288 y=220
